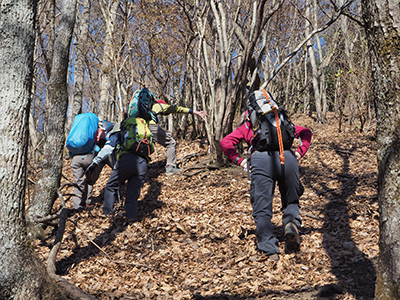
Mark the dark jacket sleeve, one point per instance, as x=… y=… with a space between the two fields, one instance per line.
x=108 y=148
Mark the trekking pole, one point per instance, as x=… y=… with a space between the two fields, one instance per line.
x=119 y=198
x=248 y=162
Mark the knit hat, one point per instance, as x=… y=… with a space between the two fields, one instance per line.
x=161 y=101
x=101 y=125
x=107 y=126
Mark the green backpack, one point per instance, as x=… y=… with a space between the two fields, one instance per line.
x=136 y=138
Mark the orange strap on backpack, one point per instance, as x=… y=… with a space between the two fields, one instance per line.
x=278 y=129
x=144 y=141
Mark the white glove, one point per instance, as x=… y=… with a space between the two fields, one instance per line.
x=243 y=164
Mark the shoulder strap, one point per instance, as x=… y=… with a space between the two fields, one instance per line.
x=278 y=130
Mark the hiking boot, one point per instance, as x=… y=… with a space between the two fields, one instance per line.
x=171 y=170
x=292 y=237
x=274 y=257
x=89 y=207
x=271 y=256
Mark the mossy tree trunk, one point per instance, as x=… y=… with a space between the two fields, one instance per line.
x=45 y=192
x=22 y=274
x=382 y=20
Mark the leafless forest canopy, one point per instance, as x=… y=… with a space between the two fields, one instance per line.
x=204 y=54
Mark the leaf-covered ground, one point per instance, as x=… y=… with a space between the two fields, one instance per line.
x=195 y=238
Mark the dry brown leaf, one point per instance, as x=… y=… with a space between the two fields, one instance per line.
x=197 y=234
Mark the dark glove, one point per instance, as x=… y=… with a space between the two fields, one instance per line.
x=90 y=169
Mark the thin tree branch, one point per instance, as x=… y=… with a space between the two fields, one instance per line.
x=318 y=30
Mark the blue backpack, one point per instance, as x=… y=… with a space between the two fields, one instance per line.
x=140 y=105
x=81 y=138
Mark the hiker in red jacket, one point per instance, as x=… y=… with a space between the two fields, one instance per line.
x=266 y=170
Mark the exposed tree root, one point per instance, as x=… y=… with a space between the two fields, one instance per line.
x=69 y=289
x=201 y=166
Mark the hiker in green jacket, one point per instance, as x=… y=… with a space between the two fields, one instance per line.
x=165 y=138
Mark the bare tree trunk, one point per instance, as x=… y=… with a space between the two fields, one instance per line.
x=306 y=96
x=322 y=83
x=313 y=63
x=382 y=29
x=193 y=94
x=33 y=132
x=22 y=275
x=350 y=101
x=79 y=74
x=106 y=78
x=45 y=192
x=216 y=66
x=33 y=138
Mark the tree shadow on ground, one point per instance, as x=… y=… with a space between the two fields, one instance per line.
x=146 y=208
x=355 y=272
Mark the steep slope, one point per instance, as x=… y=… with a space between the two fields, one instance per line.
x=195 y=235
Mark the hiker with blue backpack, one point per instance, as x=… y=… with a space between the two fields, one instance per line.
x=84 y=141
x=107 y=155
x=165 y=138
x=270 y=134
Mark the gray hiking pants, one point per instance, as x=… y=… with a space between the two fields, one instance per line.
x=83 y=194
x=165 y=139
x=129 y=167
x=266 y=170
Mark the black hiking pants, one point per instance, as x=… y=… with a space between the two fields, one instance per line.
x=132 y=168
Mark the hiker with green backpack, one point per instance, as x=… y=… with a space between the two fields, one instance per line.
x=131 y=141
x=269 y=134
x=138 y=107
x=135 y=135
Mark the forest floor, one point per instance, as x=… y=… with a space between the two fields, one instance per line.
x=195 y=238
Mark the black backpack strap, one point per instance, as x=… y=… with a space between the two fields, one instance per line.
x=249 y=162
